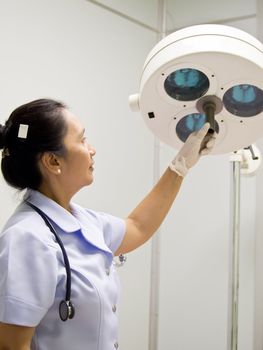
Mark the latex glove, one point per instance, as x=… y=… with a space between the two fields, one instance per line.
x=198 y=143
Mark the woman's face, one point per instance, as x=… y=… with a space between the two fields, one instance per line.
x=77 y=164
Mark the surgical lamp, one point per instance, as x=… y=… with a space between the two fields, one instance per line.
x=204 y=73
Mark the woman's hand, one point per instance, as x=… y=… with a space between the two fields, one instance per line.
x=198 y=143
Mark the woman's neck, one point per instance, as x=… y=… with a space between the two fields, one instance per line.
x=57 y=194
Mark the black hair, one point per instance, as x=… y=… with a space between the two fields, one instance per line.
x=46 y=130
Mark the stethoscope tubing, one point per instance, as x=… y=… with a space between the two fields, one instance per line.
x=59 y=241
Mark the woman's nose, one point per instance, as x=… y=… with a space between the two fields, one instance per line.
x=92 y=150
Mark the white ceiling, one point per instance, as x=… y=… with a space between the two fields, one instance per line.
x=188 y=12
x=183 y=13
x=144 y=11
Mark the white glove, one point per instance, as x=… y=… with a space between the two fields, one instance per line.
x=198 y=143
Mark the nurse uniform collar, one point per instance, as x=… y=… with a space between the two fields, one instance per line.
x=204 y=73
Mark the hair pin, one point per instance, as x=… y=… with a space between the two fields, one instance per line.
x=22 y=132
x=5 y=153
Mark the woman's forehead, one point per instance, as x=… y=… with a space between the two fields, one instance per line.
x=73 y=123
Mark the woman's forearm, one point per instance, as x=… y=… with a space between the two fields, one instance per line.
x=151 y=211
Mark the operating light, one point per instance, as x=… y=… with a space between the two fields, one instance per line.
x=204 y=73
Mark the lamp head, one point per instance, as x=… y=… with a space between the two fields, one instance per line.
x=197 y=67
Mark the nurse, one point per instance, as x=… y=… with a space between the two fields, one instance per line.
x=45 y=152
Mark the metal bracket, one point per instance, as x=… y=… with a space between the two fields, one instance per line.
x=250 y=158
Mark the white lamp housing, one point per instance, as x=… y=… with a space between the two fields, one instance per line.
x=197 y=65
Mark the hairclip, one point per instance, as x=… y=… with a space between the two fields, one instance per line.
x=5 y=153
x=22 y=132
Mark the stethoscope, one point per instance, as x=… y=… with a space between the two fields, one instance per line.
x=66 y=307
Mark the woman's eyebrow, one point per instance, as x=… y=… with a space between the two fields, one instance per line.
x=82 y=132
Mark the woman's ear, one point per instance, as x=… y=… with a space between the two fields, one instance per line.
x=50 y=163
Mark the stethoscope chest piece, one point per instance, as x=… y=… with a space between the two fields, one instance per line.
x=66 y=310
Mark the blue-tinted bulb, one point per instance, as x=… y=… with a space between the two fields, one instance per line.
x=244 y=93
x=186 y=84
x=195 y=121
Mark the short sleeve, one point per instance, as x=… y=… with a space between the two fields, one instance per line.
x=113 y=230
x=28 y=277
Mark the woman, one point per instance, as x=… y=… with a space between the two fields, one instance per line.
x=45 y=152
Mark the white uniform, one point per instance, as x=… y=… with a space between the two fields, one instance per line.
x=33 y=275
